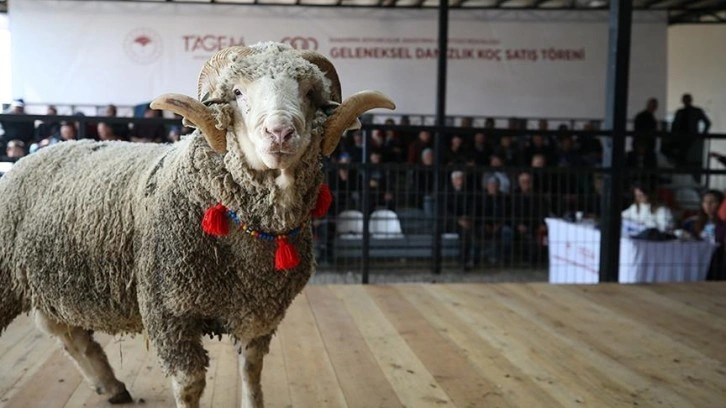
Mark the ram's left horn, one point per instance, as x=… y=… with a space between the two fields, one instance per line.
x=196 y=113
x=347 y=113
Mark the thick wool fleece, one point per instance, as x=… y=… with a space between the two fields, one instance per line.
x=107 y=236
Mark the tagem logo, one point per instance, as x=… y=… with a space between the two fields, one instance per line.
x=301 y=43
x=143 y=46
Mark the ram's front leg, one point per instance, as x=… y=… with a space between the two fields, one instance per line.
x=178 y=343
x=250 y=365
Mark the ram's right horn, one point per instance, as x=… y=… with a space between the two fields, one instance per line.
x=196 y=113
x=347 y=114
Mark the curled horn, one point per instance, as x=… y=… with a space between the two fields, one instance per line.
x=347 y=113
x=328 y=69
x=196 y=113
x=209 y=75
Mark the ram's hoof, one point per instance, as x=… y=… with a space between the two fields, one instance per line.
x=122 y=397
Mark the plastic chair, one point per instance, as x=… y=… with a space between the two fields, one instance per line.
x=384 y=224
x=349 y=224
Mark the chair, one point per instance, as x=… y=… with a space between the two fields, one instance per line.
x=384 y=224
x=349 y=224
x=415 y=221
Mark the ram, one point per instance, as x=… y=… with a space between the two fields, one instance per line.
x=210 y=235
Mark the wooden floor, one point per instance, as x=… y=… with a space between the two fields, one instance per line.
x=468 y=345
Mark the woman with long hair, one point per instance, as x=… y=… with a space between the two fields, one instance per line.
x=707 y=225
x=647 y=211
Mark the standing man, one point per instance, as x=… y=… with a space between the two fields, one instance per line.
x=685 y=127
x=646 y=125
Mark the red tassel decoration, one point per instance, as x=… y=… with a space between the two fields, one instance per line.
x=286 y=256
x=325 y=198
x=215 y=220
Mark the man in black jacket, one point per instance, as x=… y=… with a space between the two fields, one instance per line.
x=685 y=128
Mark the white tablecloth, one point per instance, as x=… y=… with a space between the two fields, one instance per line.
x=574 y=255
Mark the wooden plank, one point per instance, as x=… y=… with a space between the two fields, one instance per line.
x=624 y=350
x=709 y=297
x=570 y=377
x=508 y=380
x=51 y=386
x=24 y=359
x=688 y=325
x=274 y=377
x=126 y=354
x=414 y=385
x=18 y=332
x=305 y=354
x=444 y=360
x=361 y=379
x=151 y=385
x=223 y=388
x=215 y=349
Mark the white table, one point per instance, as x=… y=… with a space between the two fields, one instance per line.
x=574 y=255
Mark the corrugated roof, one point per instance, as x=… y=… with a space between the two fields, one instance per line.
x=679 y=11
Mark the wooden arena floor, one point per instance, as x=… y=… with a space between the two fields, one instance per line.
x=420 y=345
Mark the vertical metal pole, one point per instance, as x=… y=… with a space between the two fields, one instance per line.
x=366 y=208
x=440 y=123
x=615 y=121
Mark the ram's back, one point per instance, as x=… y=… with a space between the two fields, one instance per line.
x=67 y=232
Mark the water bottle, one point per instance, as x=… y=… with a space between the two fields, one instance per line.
x=709 y=232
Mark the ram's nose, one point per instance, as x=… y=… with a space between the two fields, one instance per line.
x=279 y=130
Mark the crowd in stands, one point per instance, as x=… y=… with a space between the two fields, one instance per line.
x=25 y=137
x=495 y=189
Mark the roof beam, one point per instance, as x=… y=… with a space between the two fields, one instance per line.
x=692 y=15
x=651 y=3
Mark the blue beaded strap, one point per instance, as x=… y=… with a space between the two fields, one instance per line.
x=261 y=235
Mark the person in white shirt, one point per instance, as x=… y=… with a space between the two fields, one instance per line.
x=647 y=212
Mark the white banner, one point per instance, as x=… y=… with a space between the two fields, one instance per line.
x=501 y=63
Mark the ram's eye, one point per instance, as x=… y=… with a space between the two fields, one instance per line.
x=237 y=92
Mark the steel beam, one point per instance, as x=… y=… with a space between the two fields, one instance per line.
x=621 y=14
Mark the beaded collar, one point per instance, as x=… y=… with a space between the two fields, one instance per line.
x=262 y=235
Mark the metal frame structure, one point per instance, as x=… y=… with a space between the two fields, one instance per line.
x=679 y=11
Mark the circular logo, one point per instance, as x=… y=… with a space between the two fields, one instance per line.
x=301 y=43
x=143 y=46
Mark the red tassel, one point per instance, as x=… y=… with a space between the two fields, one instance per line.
x=325 y=198
x=215 y=220
x=286 y=256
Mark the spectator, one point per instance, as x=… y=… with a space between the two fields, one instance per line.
x=508 y=151
x=457 y=153
x=121 y=130
x=685 y=128
x=497 y=163
x=423 y=141
x=481 y=149
x=149 y=132
x=17 y=130
x=47 y=128
x=496 y=234
x=646 y=210
x=422 y=179
x=645 y=122
x=380 y=184
x=106 y=132
x=527 y=218
x=14 y=151
x=461 y=216
x=708 y=226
